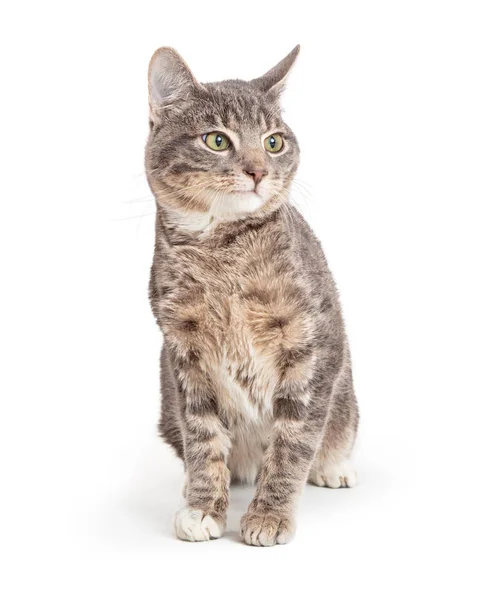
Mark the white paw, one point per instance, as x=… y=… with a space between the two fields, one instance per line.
x=193 y=525
x=335 y=476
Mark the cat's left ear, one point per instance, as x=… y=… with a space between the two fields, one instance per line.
x=274 y=80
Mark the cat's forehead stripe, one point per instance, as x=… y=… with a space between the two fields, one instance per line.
x=238 y=109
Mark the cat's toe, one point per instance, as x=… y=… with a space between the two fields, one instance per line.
x=334 y=476
x=266 y=529
x=194 y=525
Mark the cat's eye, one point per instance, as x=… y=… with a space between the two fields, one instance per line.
x=273 y=143
x=216 y=140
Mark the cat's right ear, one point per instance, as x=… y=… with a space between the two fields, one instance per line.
x=274 y=80
x=169 y=79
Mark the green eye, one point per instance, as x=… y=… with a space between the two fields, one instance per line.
x=273 y=143
x=216 y=140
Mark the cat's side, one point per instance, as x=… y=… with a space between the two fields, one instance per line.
x=255 y=370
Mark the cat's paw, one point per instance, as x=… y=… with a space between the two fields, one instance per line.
x=259 y=529
x=194 y=525
x=334 y=476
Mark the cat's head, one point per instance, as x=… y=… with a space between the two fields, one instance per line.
x=218 y=149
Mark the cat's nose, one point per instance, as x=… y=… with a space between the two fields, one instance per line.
x=256 y=174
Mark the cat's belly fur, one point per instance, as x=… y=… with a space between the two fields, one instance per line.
x=249 y=413
x=245 y=377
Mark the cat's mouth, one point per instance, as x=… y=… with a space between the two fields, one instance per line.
x=258 y=189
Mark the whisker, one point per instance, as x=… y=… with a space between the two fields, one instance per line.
x=135 y=217
x=138 y=200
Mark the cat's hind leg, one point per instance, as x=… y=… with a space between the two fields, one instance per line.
x=332 y=466
x=333 y=475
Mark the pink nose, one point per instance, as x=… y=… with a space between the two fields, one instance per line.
x=256 y=174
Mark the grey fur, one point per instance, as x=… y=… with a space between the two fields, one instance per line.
x=255 y=368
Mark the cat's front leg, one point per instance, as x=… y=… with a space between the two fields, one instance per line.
x=206 y=448
x=270 y=517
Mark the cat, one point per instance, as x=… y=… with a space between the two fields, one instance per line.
x=256 y=379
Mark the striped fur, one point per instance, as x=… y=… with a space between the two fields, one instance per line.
x=255 y=368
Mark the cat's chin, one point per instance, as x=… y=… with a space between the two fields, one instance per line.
x=231 y=207
x=236 y=205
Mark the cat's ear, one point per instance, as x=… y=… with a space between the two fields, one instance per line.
x=275 y=79
x=169 y=78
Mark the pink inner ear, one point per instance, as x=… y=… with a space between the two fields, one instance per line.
x=169 y=77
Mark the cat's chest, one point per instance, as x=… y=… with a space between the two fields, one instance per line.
x=218 y=319
x=242 y=315
x=237 y=298
x=216 y=304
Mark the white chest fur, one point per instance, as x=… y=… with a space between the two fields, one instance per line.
x=248 y=410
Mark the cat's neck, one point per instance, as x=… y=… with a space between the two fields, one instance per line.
x=191 y=222
x=202 y=227
x=201 y=224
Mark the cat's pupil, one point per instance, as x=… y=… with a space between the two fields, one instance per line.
x=219 y=140
x=272 y=142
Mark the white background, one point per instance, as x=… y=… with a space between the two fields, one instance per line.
x=385 y=102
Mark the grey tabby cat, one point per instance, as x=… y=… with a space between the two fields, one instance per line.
x=255 y=370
